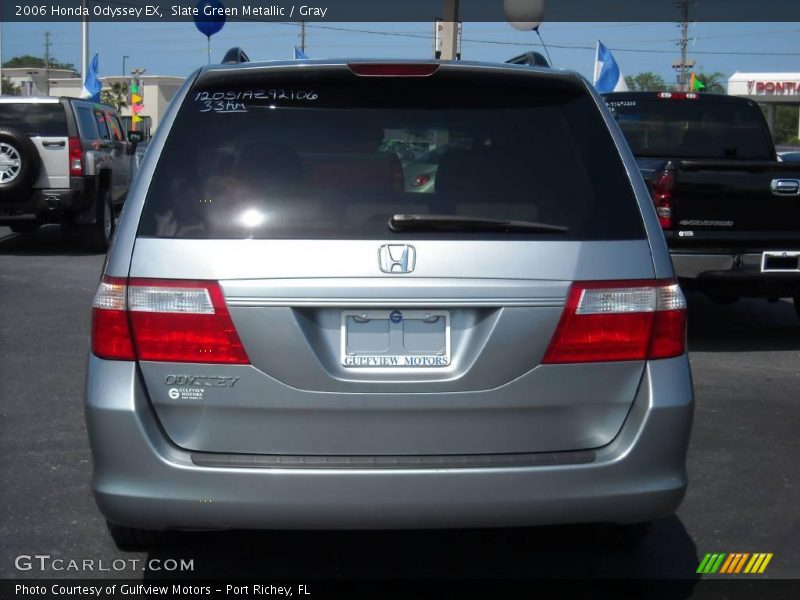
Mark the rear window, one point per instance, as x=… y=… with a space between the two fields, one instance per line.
x=333 y=156
x=35 y=119
x=700 y=128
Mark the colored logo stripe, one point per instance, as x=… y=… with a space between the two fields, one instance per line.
x=720 y=562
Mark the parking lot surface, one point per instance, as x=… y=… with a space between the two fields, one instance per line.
x=743 y=460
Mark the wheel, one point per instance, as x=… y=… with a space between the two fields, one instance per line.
x=28 y=227
x=97 y=236
x=131 y=538
x=19 y=164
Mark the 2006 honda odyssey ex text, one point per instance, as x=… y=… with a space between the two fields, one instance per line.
x=286 y=336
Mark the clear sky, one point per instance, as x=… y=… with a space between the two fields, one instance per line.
x=176 y=48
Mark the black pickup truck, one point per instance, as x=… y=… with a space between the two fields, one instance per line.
x=730 y=211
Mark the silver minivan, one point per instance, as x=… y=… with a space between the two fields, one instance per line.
x=285 y=337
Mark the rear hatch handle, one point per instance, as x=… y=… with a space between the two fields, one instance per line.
x=53 y=143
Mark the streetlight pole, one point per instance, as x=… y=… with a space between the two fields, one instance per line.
x=124 y=58
x=450 y=30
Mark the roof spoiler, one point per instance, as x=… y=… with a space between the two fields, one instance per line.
x=532 y=59
x=235 y=56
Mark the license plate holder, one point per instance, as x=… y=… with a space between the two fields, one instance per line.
x=395 y=339
x=780 y=261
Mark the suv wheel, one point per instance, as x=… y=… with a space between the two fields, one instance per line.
x=131 y=538
x=97 y=236
x=19 y=163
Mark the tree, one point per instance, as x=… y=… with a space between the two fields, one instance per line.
x=35 y=62
x=116 y=95
x=713 y=82
x=9 y=89
x=785 y=128
x=646 y=82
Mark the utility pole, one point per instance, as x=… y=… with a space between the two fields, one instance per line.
x=450 y=30
x=303 y=37
x=124 y=58
x=684 y=44
x=47 y=63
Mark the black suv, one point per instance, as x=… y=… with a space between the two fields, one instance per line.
x=63 y=160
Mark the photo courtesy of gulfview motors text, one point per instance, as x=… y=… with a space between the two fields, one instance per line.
x=369 y=298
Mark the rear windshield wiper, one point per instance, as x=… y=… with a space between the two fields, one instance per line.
x=423 y=222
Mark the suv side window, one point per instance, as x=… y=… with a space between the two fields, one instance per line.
x=86 y=123
x=101 y=119
x=116 y=127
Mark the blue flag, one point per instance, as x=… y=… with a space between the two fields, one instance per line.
x=607 y=75
x=299 y=53
x=91 y=82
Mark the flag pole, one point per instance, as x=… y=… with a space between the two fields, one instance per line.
x=84 y=43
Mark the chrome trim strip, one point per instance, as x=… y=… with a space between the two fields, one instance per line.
x=454 y=461
x=239 y=301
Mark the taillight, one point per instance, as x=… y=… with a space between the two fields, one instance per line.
x=620 y=320
x=164 y=320
x=661 y=189
x=420 y=180
x=393 y=69
x=75 y=157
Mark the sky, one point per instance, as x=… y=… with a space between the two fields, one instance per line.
x=177 y=48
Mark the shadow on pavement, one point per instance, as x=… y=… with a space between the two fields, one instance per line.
x=749 y=325
x=45 y=241
x=563 y=552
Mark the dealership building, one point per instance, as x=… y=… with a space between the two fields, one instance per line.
x=770 y=89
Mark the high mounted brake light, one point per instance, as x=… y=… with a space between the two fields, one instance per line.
x=164 y=320
x=620 y=320
x=678 y=96
x=393 y=69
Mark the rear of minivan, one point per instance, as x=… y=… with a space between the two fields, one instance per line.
x=287 y=337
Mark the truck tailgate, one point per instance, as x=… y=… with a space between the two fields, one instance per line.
x=754 y=200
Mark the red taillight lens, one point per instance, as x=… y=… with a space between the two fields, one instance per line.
x=420 y=180
x=620 y=320
x=164 y=320
x=111 y=333
x=661 y=191
x=393 y=69
x=75 y=157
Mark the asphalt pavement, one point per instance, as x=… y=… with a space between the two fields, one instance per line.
x=744 y=492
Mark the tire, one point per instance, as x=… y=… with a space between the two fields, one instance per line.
x=19 y=164
x=28 y=227
x=131 y=538
x=97 y=236
x=797 y=306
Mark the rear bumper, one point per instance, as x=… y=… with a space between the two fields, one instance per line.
x=142 y=480
x=733 y=274
x=48 y=205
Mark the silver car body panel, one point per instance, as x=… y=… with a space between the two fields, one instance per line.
x=142 y=479
x=627 y=421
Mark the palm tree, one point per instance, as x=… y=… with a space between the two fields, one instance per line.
x=713 y=82
x=116 y=95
